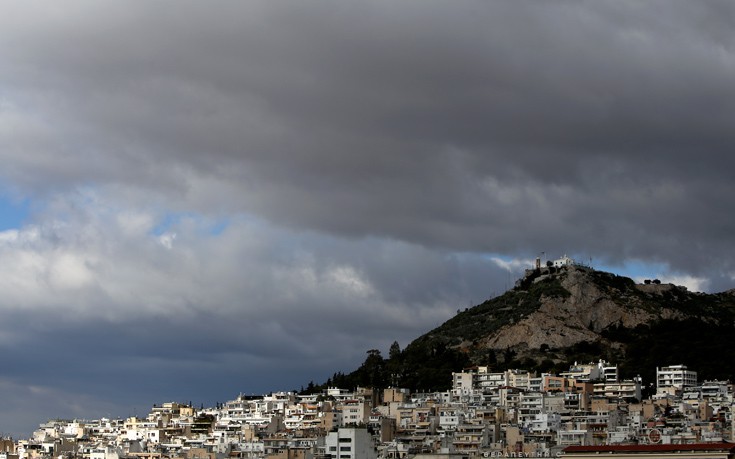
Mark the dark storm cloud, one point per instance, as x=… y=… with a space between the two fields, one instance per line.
x=469 y=125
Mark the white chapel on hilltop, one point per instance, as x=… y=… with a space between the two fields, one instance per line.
x=558 y=263
x=563 y=261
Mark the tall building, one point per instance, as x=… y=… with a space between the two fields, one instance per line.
x=675 y=377
x=350 y=443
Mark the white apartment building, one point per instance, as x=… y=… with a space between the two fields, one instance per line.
x=464 y=388
x=450 y=417
x=600 y=371
x=488 y=381
x=355 y=411
x=520 y=379
x=536 y=384
x=544 y=422
x=711 y=389
x=623 y=390
x=530 y=404
x=350 y=443
x=675 y=376
x=462 y=383
x=580 y=437
x=609 y=372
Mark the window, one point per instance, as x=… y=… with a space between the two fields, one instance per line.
x=345 y=448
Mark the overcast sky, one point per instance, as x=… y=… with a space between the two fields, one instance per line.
x=199 y=199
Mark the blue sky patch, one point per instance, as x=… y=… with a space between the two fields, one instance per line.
x=13 y=213
x=210 y=226
x=636 y=269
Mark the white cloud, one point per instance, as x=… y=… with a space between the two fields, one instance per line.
x=351 y=281
x=516 y=265
x=88 y=262
x=8 y=236
x=135 y=222
x=167 y=240
x=70 y=271
x=692 y=283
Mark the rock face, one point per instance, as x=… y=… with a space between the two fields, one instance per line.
x=590 y=303
x=563 y=322
x=558 y=315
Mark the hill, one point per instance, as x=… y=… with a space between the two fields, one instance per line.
x=555 y=316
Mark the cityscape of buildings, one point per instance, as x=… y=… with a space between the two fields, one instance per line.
x=583 y=412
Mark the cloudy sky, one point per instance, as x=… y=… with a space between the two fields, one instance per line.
x=199 y=199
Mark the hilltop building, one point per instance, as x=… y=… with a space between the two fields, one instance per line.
x=562 y=262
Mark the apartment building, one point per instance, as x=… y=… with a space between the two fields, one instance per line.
x=674 y=378
x=354 y=412
x=349 y=443
x=530 y=405
x=600 y=371
x=520 y=379
x=470 y=438
x=622 y=390
x=450 y=417
x=488 y=381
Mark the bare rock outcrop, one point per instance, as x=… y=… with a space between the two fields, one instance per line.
x=580 y=317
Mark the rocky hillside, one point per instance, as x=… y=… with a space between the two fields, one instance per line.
x=554 y=317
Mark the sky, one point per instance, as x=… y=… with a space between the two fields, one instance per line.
x=202 y=199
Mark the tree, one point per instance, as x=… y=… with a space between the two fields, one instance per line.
x=395 y=351
x=371 y=371
x=492 y=358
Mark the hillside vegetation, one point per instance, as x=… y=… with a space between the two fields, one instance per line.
x=554 y=317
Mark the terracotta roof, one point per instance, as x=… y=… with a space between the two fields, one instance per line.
x=651 y=448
